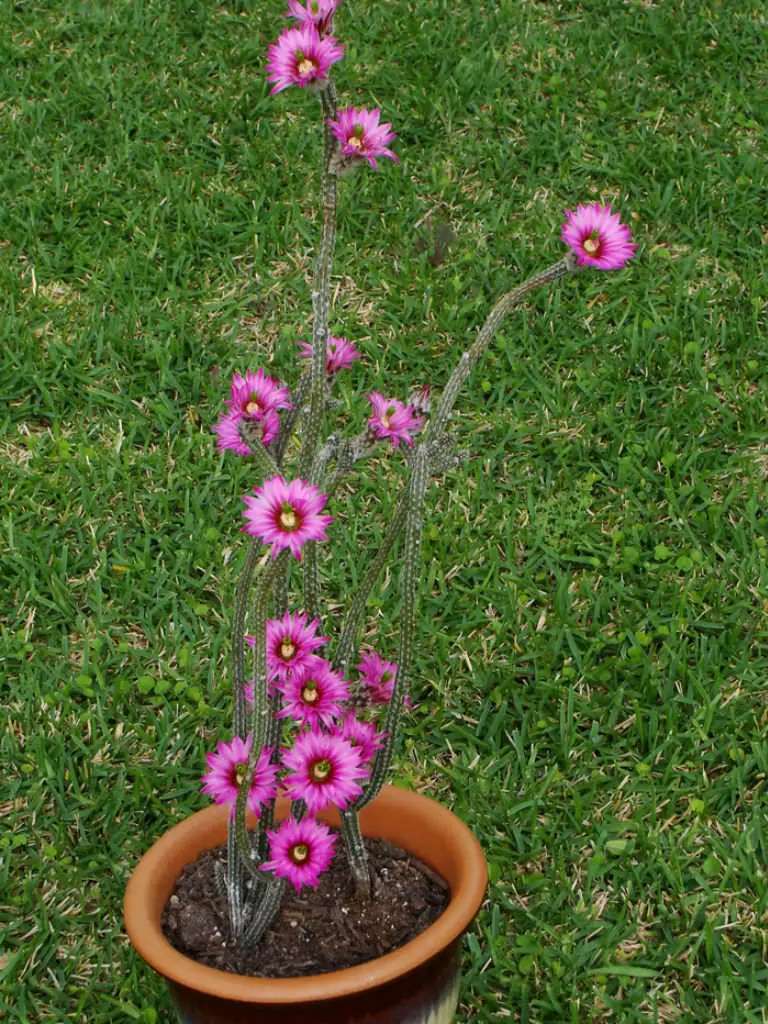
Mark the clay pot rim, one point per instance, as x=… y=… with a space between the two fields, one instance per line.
x=143 y=910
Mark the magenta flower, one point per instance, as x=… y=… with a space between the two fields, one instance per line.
x=339 y=354
x=255 y=395
x=314 y=12
x=290 y=643
x=228 y=430
x=301 y=57
x=286 y=515
x=392 y=419
x=233 y=430
x=598 y=237
x=313 y=693
x=363 y=735
x=378 y=677
x=324 y=769
x=227 y=770
x=300 y=851
x=360 y=135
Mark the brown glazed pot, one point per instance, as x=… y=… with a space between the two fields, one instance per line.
x=416 y=984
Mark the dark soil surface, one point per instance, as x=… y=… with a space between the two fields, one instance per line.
x=316 y=930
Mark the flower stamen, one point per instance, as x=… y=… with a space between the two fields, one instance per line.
x=299 y=853
x=287 y=648
x=288 y=518
x=320 y=771
x=310 y=694
x=592 y=244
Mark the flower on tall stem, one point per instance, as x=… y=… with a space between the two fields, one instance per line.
x=301 y=57
x=340 y=353
x=364 y=736
x=300 y=851
x=318 y=13
x=240 y=435
x=598 y=238
x=360 y=135
x=256 y=394
x=323 y=769
x=286 y=515
x=313 y=694
x=229 y=438
x=377 y=676
x=290 y=643
x=227 y=769
x=392 y=419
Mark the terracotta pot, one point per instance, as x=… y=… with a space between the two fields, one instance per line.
x=417 y=984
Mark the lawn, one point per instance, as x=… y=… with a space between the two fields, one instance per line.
x=591 y=679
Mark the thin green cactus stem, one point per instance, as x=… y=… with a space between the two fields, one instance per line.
x=321 y=296
x=409 y=579
x=356 y=854
x=330 y=102
x=274 y=734
x=238 y=636
x=356 y=611
x=290 y=417
x=235 y=880
x=260 y=714
x=267 y=465
x=321 y=301
x=248 y=854
x=269 y=904
x=311 y=580
x=466 y=364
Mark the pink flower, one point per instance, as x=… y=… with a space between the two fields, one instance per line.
x=227 y=769
x=361 y=136
x=228 y=430
x=324 y=769
x=392 y=419
x=598 y=237
x=362 y=735
x=378 y=677
x=300 y=851
x=339 y=354
x=234 y=431
x=286 y=515
x=290 y=643
x=312 y=693
x=301 y=57
x=255 y=395
x=314 y=12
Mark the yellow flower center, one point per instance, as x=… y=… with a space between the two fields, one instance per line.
x=239 y=773
x=287 y=648
x=253 y=405
x=288 y=518
x=299 y=853
x=306 y=66
x=319 y=771
x=592 y=244
x=355 y=141
x=387 y=415
x=309 y=693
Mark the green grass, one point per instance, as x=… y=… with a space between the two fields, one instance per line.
x=592 y=677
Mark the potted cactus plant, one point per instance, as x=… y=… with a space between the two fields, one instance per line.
x=302 y=779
